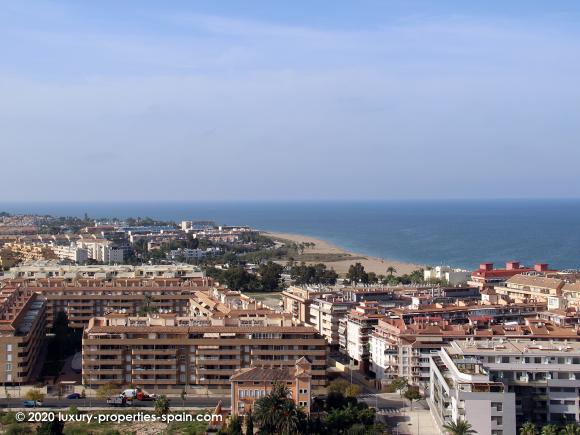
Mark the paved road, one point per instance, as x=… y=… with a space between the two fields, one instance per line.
x=49 y=402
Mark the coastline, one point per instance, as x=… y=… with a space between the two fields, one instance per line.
x=340 y=259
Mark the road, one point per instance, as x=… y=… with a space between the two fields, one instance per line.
x=55 y=403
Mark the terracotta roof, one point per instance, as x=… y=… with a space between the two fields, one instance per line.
x=264 y=374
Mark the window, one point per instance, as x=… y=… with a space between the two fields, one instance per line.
x=303 y=391
x=497 y=405
x=8 y=348
x=9 y=367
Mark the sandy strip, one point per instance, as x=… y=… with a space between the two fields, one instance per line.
x=322 y=247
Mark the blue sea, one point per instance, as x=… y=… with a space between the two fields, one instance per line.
x=458 y=233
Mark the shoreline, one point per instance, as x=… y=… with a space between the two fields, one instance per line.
x=340 y=259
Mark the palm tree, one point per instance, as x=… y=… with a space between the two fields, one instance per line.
x=391 y=270
x=570 y=429
x=459 y=427
x=550 y=429
x=529 y=428
x=276 y=413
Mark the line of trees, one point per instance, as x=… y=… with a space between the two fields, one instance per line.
x=358 y=275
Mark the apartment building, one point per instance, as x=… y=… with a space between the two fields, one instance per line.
x=543 y=376
x=22 y=328
x=447 y=274
x=84 y=298
x=461 y=311
x=166 y=351
x=102 y=250
x=71 y=252
x=358 y=327
x=50 y=269
x=401 y=350
x=556 y=292
x=487 y=277
x=297 y=300
x=325 y=315
x=252 y=383
x=461 y=389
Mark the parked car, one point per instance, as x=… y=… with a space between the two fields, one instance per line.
x=32 y=403
x=73 y=396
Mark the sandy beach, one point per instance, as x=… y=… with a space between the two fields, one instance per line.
x=340 y=259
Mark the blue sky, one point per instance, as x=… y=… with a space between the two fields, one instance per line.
x=238 y=100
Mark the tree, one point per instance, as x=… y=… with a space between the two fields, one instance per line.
x=18 y=429
x=338 y=386
x=412 y=395
x=50 y=428
x=400 y=385
x=391 y=270
x=570 y=429
x=459 y=427
x=352 y=390
x=276 y=413
x=106 y=390
x=249 y=424
x=356 y=274
x=270 y=274
x=550 y=429
x=234 y=425
x=529 y=428
x=34 y=394
x=161 y=405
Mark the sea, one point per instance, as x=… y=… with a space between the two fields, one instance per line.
x=460 y=233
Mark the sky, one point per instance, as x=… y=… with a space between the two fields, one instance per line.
x=261 y=100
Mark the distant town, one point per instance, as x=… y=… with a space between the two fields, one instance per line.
x=146 y=314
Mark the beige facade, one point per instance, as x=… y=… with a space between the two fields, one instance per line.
x=252 y=383
x=22 y=329
x=297 y=301
x=166 y=351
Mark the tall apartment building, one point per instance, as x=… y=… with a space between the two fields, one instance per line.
x=71 y=252
x=543 y=376
x=359 y=325
x=461 y=389
x=297 y=301
x=102 y=250
x=325 y=315
x=166 y=351
x=22 y=329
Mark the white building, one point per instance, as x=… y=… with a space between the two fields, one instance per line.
x=447 y=274
x=101 y=250
x=71 y=252
x=545 y=377
x=461 y=389
x=325 y=315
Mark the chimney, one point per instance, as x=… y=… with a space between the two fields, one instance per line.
x=486 y=266
x=541 y=267
x=512 y=265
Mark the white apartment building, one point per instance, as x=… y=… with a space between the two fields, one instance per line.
x=102 y=251
x=445 y=273
x=461 y=389
x=71 y=252
x=544 y=376
x=325 y=315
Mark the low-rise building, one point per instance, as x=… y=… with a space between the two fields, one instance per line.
x=446 y=275
x=252 y=383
